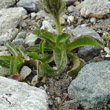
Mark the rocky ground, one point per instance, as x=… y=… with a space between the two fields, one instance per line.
x=90 y=90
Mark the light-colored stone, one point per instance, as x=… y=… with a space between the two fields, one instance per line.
x=25 y=71
x=16 y=95
x=30 y=39
x=10 y=18
x=29 y=5
x=95 y=8
x=9 y=35
x=7 y=3
x=91 y=88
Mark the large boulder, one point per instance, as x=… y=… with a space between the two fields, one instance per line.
x=7 y=3
x=16 y=95
x=91 y=88
x=9 y=20
x=95 y=8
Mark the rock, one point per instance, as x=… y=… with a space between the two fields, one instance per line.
x=70 y=8
x=95 y=8
x=91 y=88
x=4 y=71
x=86 y=52
x=18 y=42
x=25 y=71
x=47 y=26
x=9 y=35
x=7 y=3
x=33 y=15
x=93 y=20
x=21 y=35
x=41 y=13
x=70 y=19
x=29 y=5
x=34 y=80
x=69 y=2
x=10 y=18
x=31 y=39
x=16 y=95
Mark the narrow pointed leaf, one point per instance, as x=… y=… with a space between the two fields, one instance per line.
x=85 y=41
x=11 y=68
x=46 y=58
x=42 y=46
x=58 y=57
x=34 y=48
x=40 y=70
x=52 y=72
x=76 y=65
x=62 y=38
x=33 y=55
x=6 y=58
x=5 y=63
x=11 y=48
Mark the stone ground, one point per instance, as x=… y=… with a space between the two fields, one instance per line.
x=77 y=20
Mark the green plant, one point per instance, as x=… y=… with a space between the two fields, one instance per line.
x=52 y=48
x=59 y=45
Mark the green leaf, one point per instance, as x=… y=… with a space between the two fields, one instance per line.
x=11 y=48
x=7 y=57
x=85 y=41
x=62 y=38
x=52 y=72
x=17 y=63
x=76 y=65
x=39 y=69
x=34 y=48
x=58 y=56
x=33 y=55
x=42 y=46
x=5 y=63
x=46 y=58
x=11 y=68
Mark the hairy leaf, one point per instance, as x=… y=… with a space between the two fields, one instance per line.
x=76 y=65
x=85 y=41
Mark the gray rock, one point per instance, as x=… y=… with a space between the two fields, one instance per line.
x=9 y=35
x=21 y=35
x=25 y=71
x=93 y=20
x=41 y=13
x=18 y=42
x=29 y=5
x=86 y=52
x=4 y=71
x=16 y=95
x=31 y=39
x=91 y=88
x=95 y=8
x=7 y=3
x=10 y=18
x=70 y=8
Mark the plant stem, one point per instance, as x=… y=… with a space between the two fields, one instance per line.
x=58 y=25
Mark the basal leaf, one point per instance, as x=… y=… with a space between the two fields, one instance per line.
x=46 y=58
x=76 y=65
x=42 y=47
x=35 y=48
x=5 y=63
x=39 y=69
x=58 y=56
x=11 y=68
x=52 y=72
x=11 y=48
x=62 y=38
x=33 y=55
x=85 y=41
